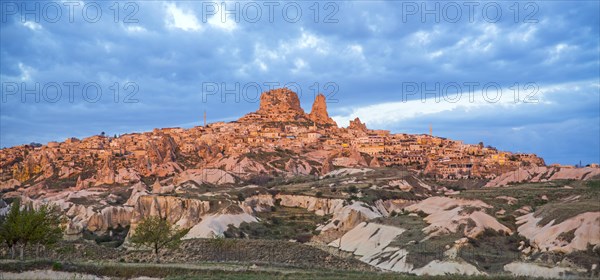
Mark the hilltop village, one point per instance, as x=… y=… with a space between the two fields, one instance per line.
x=281 y=127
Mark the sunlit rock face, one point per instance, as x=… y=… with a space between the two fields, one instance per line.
x=319 y=114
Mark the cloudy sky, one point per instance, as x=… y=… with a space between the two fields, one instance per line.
x=520 y=76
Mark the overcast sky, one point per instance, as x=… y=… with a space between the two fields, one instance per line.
x=520 y=76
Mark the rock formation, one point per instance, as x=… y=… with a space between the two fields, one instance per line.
x=183 y=212
x=106 y=175
x=355 y=155
x=281 y=105
x=374 y=162
x=319 y=114
x=544 y=173
x=583 y=227
x=446 y=215
x=356 y=124
x=279 y=101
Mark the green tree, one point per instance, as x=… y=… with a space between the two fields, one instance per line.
x=26 y=225
x=157 y=233
x=49 y=231
x=9 y=234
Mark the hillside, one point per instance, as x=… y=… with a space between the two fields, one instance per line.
x=343 y=198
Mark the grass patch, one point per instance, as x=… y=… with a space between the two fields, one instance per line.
x=492 y=250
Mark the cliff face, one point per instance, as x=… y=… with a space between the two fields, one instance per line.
x=183 y=212
x=110 y=217
x=280 y=101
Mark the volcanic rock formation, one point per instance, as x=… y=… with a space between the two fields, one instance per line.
x=319 y=113
x=356 y=124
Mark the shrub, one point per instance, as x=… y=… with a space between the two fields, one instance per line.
x=240 y=197
x=275 y=220
x=57 y=266
x=303 y=237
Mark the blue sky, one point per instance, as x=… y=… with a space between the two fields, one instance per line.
x=397 y=65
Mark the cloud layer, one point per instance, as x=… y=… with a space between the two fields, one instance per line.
x=384 y=62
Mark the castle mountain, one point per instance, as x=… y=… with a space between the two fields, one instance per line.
x=279 y=138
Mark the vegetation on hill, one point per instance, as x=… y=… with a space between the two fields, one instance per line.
x=157 y=233
x=26 y=225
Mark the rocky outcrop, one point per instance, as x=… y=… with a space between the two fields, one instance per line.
x=367 y=239
x=67 y=171
x=200 y=176
x=9 y=185
x=447 y=215
x=298 y=167
x=213 y=226
x=327 y=166
x=386 y=207
x=319 y=114
x=321 y=206
x=137 y=191
x=283 y=105
x=79 y=185
x=375 y=162
x=345 y=217
x=442 y=268
x=280 y=100
x=184 y=212
x=106 y=174
x=356 y=124
x=542 y=174
x=350 y=216
x=258 y=203
x=160 y=157
x=370 y=242
x=355 y=155
x=161 y=149
x=574 y=234
x=238 y=165
x=47 y=166
x=277 y=105
x=348 y=171
x=127 y=175
x=110 y=217
x=156 y=187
